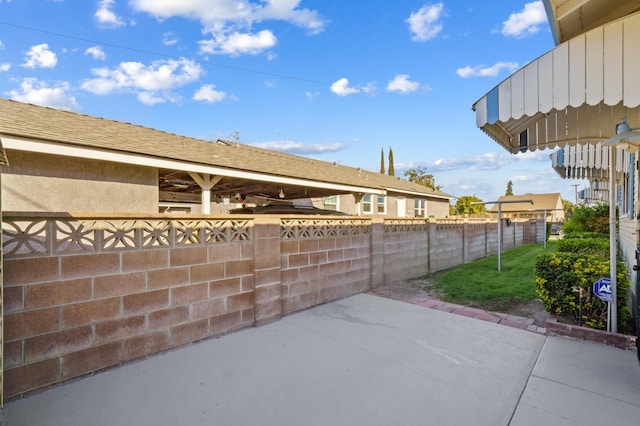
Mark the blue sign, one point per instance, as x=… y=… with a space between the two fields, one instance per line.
x=602 y=289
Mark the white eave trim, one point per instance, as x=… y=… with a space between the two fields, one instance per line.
x=53 y=148
x=418 y=194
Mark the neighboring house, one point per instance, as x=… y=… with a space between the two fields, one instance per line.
x=543 y=204
x=402 y=199
x=68 y=162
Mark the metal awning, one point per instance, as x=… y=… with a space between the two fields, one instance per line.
x=574 y=94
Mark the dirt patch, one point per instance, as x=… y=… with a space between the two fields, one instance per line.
x=424 y=288
x=409 y=289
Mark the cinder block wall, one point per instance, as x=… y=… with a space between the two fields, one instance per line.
x=71 y=314
x=508 y=235
x=448 y=250
x=492 y=238
x=406 y=248
x=475 y=241
x=84 y=294
x=321 y=263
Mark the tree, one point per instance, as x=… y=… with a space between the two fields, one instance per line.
x=464 y=206
x=420 y=176
x=382 y=161
x=392 y=171
x=568 y=207
x=509 y=189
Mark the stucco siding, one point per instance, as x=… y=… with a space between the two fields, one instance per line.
x=438 y=209
x=38 y=182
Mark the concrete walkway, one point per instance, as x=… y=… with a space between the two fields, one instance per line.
x=364 y=360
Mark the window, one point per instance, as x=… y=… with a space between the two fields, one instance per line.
x=419 y=207
x=381 y=205
x=366 y=204
x=371 y=202
x=330 y=203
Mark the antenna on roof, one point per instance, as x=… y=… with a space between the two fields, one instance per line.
x=236 y=137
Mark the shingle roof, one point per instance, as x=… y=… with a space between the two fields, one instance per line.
x=43 y=123
x=540 y=202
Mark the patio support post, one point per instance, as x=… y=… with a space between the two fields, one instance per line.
x=206 y=182
x=613 y=308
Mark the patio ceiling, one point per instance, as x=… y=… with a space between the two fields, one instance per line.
x=179 y=185
x=570 y=18
x=574 y=94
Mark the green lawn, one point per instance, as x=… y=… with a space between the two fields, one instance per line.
x=480 y=284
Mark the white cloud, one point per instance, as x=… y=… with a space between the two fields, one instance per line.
x=149 y=98
x=169 y=39
x=530 y=172
x=37 y=92
x=207 y=93
x=525 y=22
x=369 y=89
x=96 y=52
x=289 y=11
x=539 y=155
x=483 y=71
x=341 y=88
x=239 y=43
x=426 y=23
x=300 y=148
x=40 y=56
x=311 y=96
x=105 y=15
x=402 y=84
x=229 y=22
x=5 y=67
x=152 y=83
x=490 y=161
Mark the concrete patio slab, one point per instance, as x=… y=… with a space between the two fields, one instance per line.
x=364 y=360
x=579 y=382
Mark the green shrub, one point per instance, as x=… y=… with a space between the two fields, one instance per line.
x=558 y=275
x=588 y=219
x=598 y=247
x=575 y=235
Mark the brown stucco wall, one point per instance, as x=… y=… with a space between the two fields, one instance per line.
x=438 y=208
x=40 y=182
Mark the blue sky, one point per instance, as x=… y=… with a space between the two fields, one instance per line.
x=333 y=80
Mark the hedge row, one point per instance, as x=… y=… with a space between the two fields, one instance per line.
x=559 y=278
x=598 y=247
